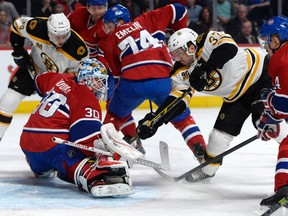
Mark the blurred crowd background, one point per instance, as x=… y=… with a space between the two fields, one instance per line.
x=240 y=18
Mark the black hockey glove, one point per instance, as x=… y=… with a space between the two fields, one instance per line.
x=199 y=76
x=21 y=58
x=143 y=130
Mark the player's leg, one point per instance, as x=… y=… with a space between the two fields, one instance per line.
x=228 y=125
x=281 y=176
x=190 y=133
x=20 y=86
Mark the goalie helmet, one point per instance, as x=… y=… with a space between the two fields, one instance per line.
x=277 y=25
x=115 y=13
x=97 y=3
x=93 y=74
x=182 y=39
x=59 y=29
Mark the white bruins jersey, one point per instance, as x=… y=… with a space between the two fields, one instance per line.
x=44 y=55
x=232 y=80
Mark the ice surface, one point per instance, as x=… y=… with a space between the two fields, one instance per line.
x=244 y=179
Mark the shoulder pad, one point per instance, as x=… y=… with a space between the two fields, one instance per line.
x=37 y=27
x=201 y=40
x=75 y=47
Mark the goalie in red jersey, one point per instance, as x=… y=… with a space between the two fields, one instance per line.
x=69 y=110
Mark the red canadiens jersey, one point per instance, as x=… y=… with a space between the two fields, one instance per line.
x=137 y=49
x=79 y=20
x=278 y=71
x=67 y=110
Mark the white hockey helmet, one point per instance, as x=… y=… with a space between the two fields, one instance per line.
x=182 y=38
x=59 y=29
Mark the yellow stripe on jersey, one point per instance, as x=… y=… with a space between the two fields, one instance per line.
x=226 y=39
x=253 y=61
x=39 y=39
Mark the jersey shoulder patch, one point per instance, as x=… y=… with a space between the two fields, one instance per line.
x=75 y=47
x=37 y=27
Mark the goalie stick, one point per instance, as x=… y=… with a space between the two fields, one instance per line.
x=213 y=160
x=276 y=206
x=164 y=165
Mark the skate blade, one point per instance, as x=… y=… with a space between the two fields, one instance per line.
x=113 y=190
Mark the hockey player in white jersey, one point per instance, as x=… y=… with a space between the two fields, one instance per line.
x=215 y=65
x=55 y=47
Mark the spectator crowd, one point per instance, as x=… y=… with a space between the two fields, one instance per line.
x=239 y=18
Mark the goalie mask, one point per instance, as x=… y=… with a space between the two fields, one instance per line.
x=93 y=74
x=59 y=29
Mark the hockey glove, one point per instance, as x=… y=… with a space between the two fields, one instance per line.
x=144 y=130
x=268 y=126
x=266 y=95
x=21 y=58
x=199 y=76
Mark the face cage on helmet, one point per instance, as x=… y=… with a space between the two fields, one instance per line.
x=98 y=85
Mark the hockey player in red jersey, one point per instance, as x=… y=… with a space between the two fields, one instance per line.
x=138 y=56
x=91 y=29
x=69 y=110
x=274 y=38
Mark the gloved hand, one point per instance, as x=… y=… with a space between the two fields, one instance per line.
x=21 y=58
x=266 y=95
x=268 y=126
x=199 y=76
x=145 y=131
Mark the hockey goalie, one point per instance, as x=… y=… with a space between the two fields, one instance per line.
x=70 y=110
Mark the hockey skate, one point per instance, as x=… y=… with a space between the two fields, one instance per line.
x=137 y=144
x=281 y=193
x=198 y=151
x=197 y=176
x=103 y=177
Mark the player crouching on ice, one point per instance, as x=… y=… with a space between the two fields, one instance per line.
x=69 y=110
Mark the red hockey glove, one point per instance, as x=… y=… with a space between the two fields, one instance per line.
x=268 y=127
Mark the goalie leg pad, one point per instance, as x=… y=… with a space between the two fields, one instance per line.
x=103 y=177
x=218 y=143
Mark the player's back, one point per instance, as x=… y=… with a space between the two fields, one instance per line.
x=63 y=104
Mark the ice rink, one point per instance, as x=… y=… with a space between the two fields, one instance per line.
x=244 y=179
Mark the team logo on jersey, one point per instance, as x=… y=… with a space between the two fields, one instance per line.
x=81 y=51
x=49 y=63
x=214 y=81
x=32 y=24
x=71 y=153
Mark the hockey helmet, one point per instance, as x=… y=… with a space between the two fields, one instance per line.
x=93 y=74
x=59 y=29
x=115 y=13
x=97 y=3
x=182 y=38
x=277 y=25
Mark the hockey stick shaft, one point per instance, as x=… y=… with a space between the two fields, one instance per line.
x=168 y=108
x=140 y=161
x=276 y=206
x=213 y=160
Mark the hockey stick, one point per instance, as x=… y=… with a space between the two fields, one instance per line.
x=213 y=160
x=164 y=165
x=169 y=107
x=276 y=206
